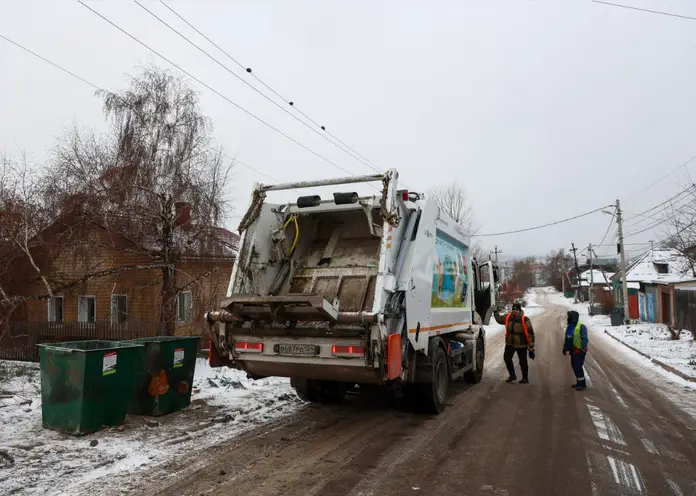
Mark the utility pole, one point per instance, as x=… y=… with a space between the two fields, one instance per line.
x=591 y=291
x=577 y=269
x=495 y=252
x=622 y=252
x=652 y=246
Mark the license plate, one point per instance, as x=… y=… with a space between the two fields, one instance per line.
x=297 y=349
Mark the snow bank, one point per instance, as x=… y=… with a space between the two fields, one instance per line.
x=34 y=460
x=655 y=341
x=650 y=339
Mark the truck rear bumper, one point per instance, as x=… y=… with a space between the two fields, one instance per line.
x=318 y=371
x=321 y=358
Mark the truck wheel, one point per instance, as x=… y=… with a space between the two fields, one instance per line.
x=305 y=388
x=332 y=392
x=475 y=376
x=432 y=397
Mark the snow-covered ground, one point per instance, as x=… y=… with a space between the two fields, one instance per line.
x=34 y=460
x=652 y=339
x=533 y=306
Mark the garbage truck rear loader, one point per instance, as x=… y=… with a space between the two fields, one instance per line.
x=355 y=290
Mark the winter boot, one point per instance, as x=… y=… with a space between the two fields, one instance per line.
x=524 y=381
x=511 y=379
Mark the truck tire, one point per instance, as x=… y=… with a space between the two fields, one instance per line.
x=432 y=396
x=305 y=388
x=313 y=391
x=475 y=376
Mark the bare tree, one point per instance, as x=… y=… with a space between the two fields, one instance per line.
x=556 y=266
x=453 y=200
x=681 y=219
x=156 y=181
x=523 y=273
x=22 y=216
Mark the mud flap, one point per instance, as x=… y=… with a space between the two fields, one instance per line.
x=214 y=358
x=393 y=356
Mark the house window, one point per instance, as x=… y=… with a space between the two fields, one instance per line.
x=86 y=309
x=55 y=309
x=662 y=268
x=185 y=307
x=119 y=309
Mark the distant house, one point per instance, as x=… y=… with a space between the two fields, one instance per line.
x=651 y=279
x=104 y=280
x=594 y=280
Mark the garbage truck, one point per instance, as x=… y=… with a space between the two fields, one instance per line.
x=351 y=292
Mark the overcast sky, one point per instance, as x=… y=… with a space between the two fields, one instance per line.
x=542 y=110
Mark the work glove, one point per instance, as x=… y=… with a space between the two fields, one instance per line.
x=531 y=354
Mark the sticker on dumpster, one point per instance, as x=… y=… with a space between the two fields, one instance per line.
x=178 y=357
x=109 y=366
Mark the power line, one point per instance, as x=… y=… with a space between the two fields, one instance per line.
x=659 y=12
x=188 y=40
x=685 y=164
x=544 y=225
x=99 y=88
x=63 y=69
x=611 y=222
x=682 y=192
x=250 y=114
x=614 y=245
x=651 y=226
x=287 y=101
x=663 y=213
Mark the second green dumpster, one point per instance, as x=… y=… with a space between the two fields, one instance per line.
x=164 y=374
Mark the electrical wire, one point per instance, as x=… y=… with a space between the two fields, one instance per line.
x=188 y=40
x=287 y=101
x=685 y=164
x=63 y=69
x=658 y=12
x=99 y=88
x=199 y=81
x=641 y=231
x=611 y=221
x=682 y=192
x=544 y=225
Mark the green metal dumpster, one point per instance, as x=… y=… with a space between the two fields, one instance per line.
x=86 y=384
x=164 y=374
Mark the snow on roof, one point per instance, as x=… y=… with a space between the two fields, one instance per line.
x=596 y=276
x=652 y=265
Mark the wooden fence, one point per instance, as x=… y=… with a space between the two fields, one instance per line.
x=19 y=339
x=685 y=309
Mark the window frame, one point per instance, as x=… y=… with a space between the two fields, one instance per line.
x=48 y=309
x=93 y=297
x=189 y=317
x=111 y=309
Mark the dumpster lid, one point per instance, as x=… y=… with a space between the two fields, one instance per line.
x=161 y=339
x=90 y=345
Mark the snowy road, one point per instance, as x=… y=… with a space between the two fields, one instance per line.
x=630 y=433
x=633 y=432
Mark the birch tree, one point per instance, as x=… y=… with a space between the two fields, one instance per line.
x=156 y=178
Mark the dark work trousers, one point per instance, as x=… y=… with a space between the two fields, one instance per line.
x=577 y=360
x=522 y=355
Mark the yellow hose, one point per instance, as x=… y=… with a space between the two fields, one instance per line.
x=293 y=218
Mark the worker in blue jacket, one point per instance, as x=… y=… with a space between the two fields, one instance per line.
x=575 y=343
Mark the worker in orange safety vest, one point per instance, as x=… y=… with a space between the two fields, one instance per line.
x=519 y=338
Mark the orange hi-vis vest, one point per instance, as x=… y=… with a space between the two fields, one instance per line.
x=524 y=327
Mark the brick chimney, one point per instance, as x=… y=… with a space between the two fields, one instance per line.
x=182 y=214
